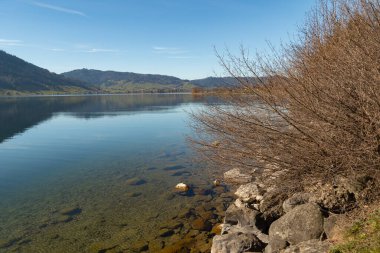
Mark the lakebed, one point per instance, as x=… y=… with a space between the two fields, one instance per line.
x=97 y=174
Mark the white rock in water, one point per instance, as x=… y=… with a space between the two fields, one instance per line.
x=182 y=187
x=216 y=182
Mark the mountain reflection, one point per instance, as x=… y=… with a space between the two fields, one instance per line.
x=18 y=114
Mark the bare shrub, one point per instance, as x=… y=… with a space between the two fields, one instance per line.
x=315 y=115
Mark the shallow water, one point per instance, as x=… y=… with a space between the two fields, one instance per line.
x=96 y=174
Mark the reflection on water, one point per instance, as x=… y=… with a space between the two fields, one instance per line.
x=96 y=174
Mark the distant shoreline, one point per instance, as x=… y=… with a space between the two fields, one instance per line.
x=95 y=94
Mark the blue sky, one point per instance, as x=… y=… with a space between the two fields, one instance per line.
x=173 y=37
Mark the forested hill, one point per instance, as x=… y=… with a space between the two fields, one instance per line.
x=112 y=78
x=98 y=77
x=19 y=76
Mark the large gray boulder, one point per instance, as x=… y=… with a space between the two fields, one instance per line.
x=296 y=200
x=302 y=223
x=329 y=226
x=241 y=216
x=236 y=176
x=228 y=229
x=236 y=243
x=312 y=246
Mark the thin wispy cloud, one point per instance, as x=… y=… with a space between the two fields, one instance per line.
x=100 y=50
x=57 y=49
x=59 y=8
x=182 y=57
x=8 y=42
x=169 y=50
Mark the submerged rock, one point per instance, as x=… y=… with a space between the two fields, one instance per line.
x=182 y=187
x=201 y=224
x=216 y=182
x=136 y=181
x=133 y=194
x=175 y=167
x=70 y=211
x=165 y=232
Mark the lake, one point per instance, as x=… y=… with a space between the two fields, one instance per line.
x=97 y=174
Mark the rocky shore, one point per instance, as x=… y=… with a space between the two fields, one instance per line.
x=264 y=219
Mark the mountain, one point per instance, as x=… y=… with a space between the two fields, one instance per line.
x=121 y=82
x=112 y=79
x=213 y=82
x=108 y=78
x=19 y=76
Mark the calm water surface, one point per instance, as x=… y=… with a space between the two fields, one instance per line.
x=95 y=173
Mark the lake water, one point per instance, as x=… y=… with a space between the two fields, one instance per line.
x=97 y=174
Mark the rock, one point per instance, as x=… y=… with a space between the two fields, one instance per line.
x=271 y=204
x=174 y=224
x=170 y=196
x=135 y=181
x=248 y=192
x=175 y=167
x=216 y=182
x=207 y=215
x=219 y=190
x=201 y=224
x=184 y=213
x=62 y=219
x=70 y=211
x=235 y=243
x=296 y=200
x=252 y=229
x=215 y=144
x=238 y=203
x=156 y=245
x=165 y=232
x=312 y=246
x=140 y=247
x=329 y=226
x=203 y=198
x=133 y=194
x=341 y=196
x=183 y=173
x=302 y=223
x=256 y=207
x=202 y=191
x=182 y=187
x=241 y=216
x=217 y=229
x=192 y=233
x=235 y=176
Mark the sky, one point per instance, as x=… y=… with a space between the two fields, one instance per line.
x=170 y=37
